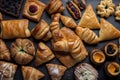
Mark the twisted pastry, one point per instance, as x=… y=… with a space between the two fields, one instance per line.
x=117 y=12
x=42 y=31
x=87 y=35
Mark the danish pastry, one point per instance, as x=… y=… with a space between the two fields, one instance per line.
x=89 y=19
x=30 y=73
x=56 y=71
x=107 y=31
x=105 y=8
x=4 y=52
x=14 y=29
x=7 y=70
x=80 y=3
x=87 y=35
x=22 y=51
x=68 y=22
x=55 y=6
x=41 y=31
x=43 y=54
x=117 y=13
x=34 y=9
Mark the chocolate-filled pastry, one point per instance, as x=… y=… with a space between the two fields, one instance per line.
x=56 y=71
x=55 y=6
x=4 y=52
x=89 y=19
x=81 y=4
x=43 y=54
x=41 y=31
x=22 y=51
x=97 y=56
x=30 y=73
x=7 y=70
x=73 y=9
x=107 y=31
x=112 y=69
x=85 y=71
x=68 y=22
x=34 y=9
x=87 y=35
x=111 y=49
x=14 y=29
x=68 y=47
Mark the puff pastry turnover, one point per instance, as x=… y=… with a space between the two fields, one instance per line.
x=56 y=71
x=30 y=73
x=89 y=19
x=43 y=54
x=107 y=31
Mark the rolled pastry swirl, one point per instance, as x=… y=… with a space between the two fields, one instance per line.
x=14 y=29
x=87 y=35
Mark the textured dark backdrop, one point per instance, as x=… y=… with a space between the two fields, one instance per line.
x=69 y=75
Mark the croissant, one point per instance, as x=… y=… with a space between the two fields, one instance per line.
x=30 y=73
x=68 y=22
x=43 y=54
x=87 y=35
x=42 y=31
x=4 y=52
x=55 y=6
x=14 y=29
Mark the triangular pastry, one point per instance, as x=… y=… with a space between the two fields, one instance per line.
x=89 y=19
x=56 y=71
x=43 y=54
x=30 y=73
x=107 y=31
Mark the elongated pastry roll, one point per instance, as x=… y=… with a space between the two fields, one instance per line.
x=30 y=73
x=4 y=52
x=43 y=54
x=68 y=22
x=14 y=29
x=87 y=35
x=42 y=31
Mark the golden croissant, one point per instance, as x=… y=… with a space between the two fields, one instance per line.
x=14 y=29
x=87 y=35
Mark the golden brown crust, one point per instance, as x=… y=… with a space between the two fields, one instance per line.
x=22 y=51
x=37 y=15
x=30 y=73
x=117 y=13
x=43 y=54
x=14 y=29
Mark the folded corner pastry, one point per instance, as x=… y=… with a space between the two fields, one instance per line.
x=55 y=6
x=7 y=70
x=68 y=47
x=89 y=19
x=14 y=29
x=41 y=31
x=68 y=22
x=4 y=52
x=43 y=54
x=56 y=71
x=87 y=35
x=107 y=31
x=30 y=73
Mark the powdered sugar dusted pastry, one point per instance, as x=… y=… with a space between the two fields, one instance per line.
x=14 y=29
x=4 y=52
x=56 y=71
x=34 y=9
x=22 y=51
x=30 y=73
x=43 y=54
x=7 y=70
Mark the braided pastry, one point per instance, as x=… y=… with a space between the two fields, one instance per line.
x=105 y=8
x=87 y=35
x=117 y=13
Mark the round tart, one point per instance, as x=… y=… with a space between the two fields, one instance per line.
x=112 y=68
x=97 y=56
x=111 y=49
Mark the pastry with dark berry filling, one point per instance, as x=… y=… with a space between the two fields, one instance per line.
x=81 y=4
x=34 y=9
